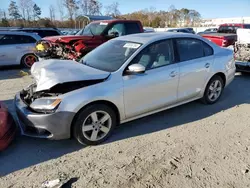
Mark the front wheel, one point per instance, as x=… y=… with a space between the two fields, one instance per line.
x=213 y=90
x=94 y=124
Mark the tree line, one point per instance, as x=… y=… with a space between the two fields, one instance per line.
x=27 y=13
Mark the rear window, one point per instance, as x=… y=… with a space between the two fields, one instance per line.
x=132 y=28
x=228 y=29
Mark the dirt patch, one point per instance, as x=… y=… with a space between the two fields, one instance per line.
x=193 y=145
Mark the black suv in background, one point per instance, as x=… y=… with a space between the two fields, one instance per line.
x=42 y=32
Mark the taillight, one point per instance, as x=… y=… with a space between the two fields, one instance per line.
x=224 y=43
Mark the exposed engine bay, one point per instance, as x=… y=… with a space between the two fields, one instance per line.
x=242 y=46
x=29 y=94
x=242 y=52
x=56 y=50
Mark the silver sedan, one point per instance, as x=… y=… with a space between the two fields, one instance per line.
x=17 y=48
x=124 y=79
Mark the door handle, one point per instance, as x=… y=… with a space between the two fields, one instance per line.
x=207 y=65
x=173 y=74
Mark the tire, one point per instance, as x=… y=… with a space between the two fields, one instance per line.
x=207 y=99
x=28 y=60
x=88 y=127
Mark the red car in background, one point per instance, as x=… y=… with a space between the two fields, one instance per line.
x=226 y=34
x=87 y=39
x=7 y=127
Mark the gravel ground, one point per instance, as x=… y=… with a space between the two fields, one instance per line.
x=193 y=145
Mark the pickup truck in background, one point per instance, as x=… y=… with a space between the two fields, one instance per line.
x=74 y=47
x=225 y=35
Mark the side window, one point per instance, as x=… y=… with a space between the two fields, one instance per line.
x=27 y=39
x=39 y=32
x=16 y=39
x=48 y=33
x=189 y=49
x=208 y=50
x=119 y=28
x=132 y=28
x=10 y=39
x=247 y=26
x=156 y=55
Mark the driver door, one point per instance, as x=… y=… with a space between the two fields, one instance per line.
x=157 y=87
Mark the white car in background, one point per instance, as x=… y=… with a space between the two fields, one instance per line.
x=17 y=48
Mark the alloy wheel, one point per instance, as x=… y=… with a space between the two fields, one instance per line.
x=97 y=125
x=215 y=90
x=29 y=60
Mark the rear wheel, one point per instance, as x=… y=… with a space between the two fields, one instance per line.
x=213 y=90
x=28 y=60
x=94 y=124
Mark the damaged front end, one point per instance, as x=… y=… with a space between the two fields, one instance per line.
x=74 y=50
x=47 y=101
x=242 y=57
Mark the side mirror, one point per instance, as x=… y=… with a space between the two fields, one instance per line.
x=113 y=34
x=136 y=69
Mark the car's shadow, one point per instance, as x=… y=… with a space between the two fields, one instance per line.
x=236 y=94
x=12 y=72
x=25 y=152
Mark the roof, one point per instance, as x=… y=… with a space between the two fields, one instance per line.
x=144 y=38
x=116 y=20
x=95 y=18
x=36 y=28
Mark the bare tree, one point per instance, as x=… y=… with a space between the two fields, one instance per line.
x=52 y=13
x=84 y=6
x=113 y=10
x=71 y=7
x=90 y=7
x=26 y=7
x=22 y=6
x=60 y=5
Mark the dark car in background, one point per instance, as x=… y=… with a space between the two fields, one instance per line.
x=190 y=29
x=42 y=32
x=182 y=30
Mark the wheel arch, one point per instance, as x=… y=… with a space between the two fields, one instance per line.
x=223 y=77
x=105 y=102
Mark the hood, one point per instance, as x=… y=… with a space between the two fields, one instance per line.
x=48 y=73
x=67 y=38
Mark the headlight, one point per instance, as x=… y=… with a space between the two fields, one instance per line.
x=45 y=105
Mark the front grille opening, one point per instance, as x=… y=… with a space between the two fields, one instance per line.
x=37 y=131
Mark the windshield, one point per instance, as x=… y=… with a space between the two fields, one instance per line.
x=228 y=29
x=111 y=55
x=93 y=29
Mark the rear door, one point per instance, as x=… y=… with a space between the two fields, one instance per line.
x=7 y=50
x=195 y=59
